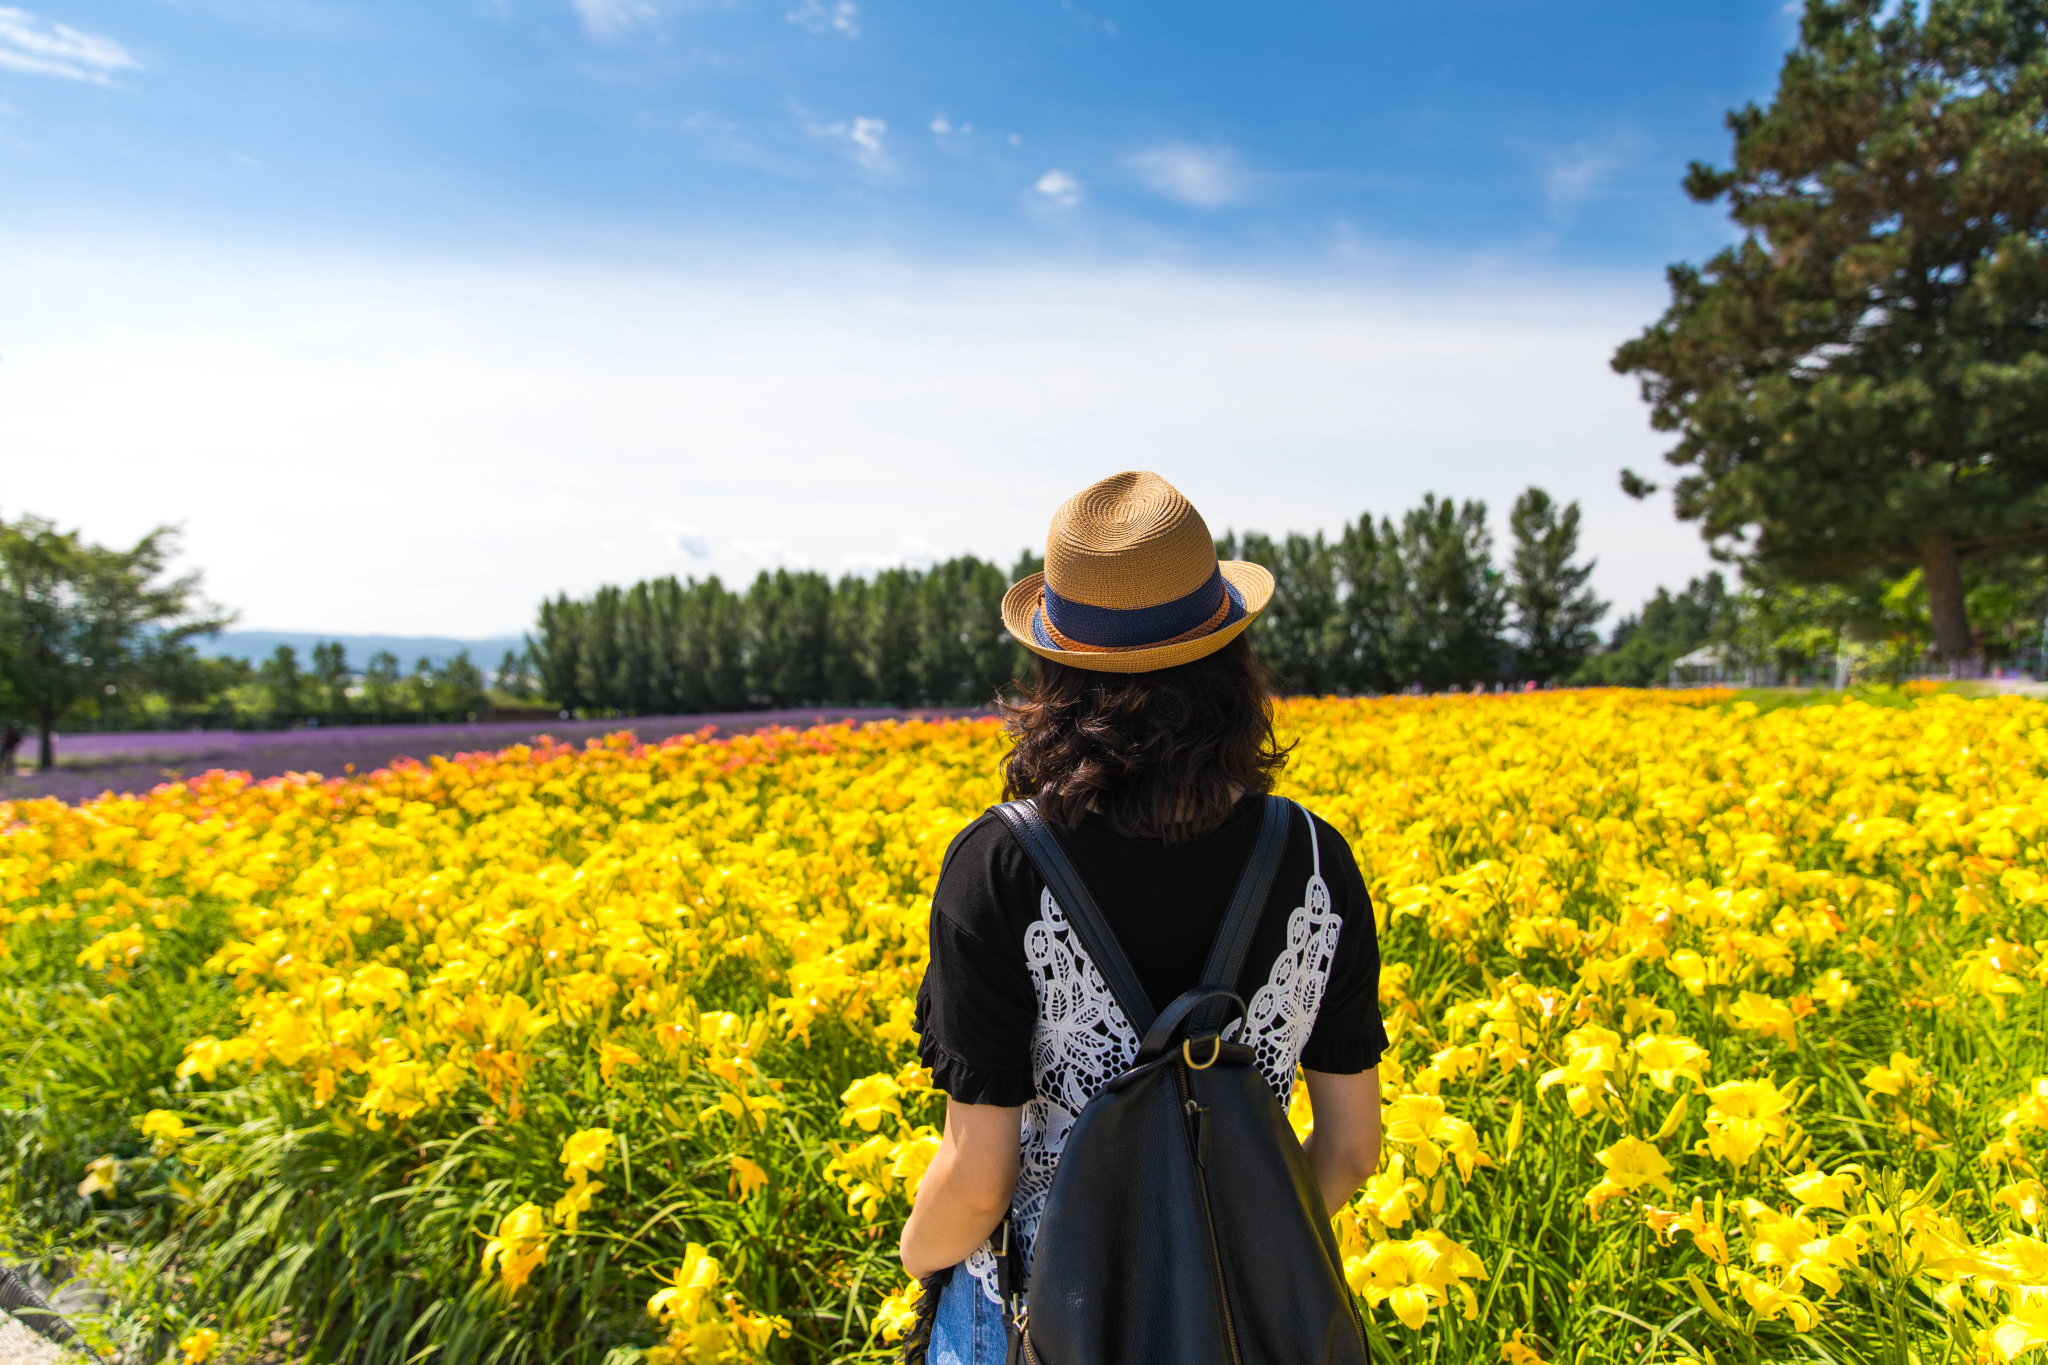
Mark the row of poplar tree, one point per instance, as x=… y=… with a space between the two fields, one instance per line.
x=1382 y=607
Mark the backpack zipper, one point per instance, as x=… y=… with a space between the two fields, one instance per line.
x=1194 y=1112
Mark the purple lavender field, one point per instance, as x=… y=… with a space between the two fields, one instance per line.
x=92 y=765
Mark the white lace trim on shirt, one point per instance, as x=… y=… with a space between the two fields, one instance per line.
x=1283 y=1013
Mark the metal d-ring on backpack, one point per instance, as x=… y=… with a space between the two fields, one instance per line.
x=1184 y=1225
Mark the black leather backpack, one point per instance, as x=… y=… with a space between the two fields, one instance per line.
x=1184 y=1225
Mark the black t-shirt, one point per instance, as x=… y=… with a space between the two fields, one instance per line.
x=977 y=1006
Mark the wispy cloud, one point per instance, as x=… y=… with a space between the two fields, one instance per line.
x=1089 y=21
x=816 y=16
x=610 y=20
x=863 y=137
x=755 y=553
x=1060 y=187
x=1204 y=177
x=911 y=552
x=1576 y=173
x=682 y=538
x=40 y=47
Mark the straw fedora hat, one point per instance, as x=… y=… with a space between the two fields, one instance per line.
x=1132 y=582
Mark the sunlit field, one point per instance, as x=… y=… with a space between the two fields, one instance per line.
x=1717 y=1034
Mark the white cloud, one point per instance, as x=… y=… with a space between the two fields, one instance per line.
x=534 y=409
x=610 y=20
x=1060 y=187
x=1205 y=177
x=817 y=17
x=752 y=554
x=1575 y=174
x=941 y=124
x=864 y=137
x=911 y=552
x=681 y=538
x=41 y=47
x=867 y=133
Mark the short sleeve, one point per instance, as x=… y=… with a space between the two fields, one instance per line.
x=1348 y=1036
x=976 y=1008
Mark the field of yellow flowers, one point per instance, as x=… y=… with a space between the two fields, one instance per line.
x=1718 y=1035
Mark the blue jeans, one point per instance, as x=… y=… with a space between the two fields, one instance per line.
x=969 y=1328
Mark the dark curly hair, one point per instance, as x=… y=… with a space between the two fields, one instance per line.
x=1161 y=755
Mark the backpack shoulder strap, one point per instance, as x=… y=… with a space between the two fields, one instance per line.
x=1042 y=844
x=1254 y=885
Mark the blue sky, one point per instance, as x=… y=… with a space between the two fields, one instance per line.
x=413 y=240
x=1552 y=131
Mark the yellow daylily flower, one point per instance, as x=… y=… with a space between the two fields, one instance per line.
x=1819 y=1190
x=1664 y=1058
x=611 y=1057
x=1763 y=1014
x=898 y=1313
x=520 y=1246
x=576 y=1202
x=1903 y=1079
x=1631 y=1165
x=102 y=1176
x=747 y=1176
x=584 y=1152
x=868 y=1099
x=1745 y=1116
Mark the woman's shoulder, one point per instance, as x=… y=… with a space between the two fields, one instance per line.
x=987 y=885
x=983 y=842
x=1339 y=865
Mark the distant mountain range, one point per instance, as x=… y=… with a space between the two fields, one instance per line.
x=258 y=645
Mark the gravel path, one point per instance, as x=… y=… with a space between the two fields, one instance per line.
x=91 y=764
x=20 y=1346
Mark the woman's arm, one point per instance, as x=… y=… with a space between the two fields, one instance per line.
x=966 y=1190
x=1344 y=1146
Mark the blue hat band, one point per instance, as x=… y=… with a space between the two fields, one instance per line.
x=1134 y=627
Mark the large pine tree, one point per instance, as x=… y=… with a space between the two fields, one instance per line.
x=1861 y=383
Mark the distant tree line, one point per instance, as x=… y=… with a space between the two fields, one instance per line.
x=1872 y=629
x=903 y=637
x=327 y=690
x=174 y=687
x=105 y=638
x=1420 y=604
x=1383 y=607
x=99 y=638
